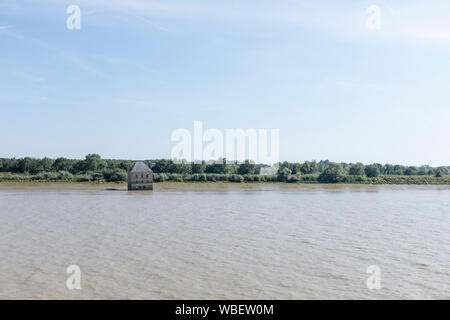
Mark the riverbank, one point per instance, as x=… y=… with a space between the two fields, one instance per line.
x=225 y=178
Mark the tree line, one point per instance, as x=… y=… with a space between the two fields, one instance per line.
x=327 y=171
x=94 y=168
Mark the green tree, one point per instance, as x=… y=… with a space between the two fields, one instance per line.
x=29 y=165
x=46 y=164
x=441 y=171
x=333 y=173
x=180 y=167
x=286 y=164
x=93 y=162
x=198 y=167
x=308 y=167
x=161 y=166
x=356 y=169
x=283 y=174
x=124 y=164
x=10 y=165
x=116 y=174
x=219 y=166
x=410 y=171
x=294 y=177
x=62 y=164
x=388 y=169
x=398 y=170
x=247 y=168
x=372 y=170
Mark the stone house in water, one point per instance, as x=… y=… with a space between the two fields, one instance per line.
x=140 y=177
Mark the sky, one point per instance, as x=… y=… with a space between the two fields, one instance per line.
x=138 y=70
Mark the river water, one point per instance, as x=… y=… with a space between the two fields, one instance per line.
x=225 y=241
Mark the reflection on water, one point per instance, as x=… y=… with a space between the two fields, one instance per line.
x=232 y=241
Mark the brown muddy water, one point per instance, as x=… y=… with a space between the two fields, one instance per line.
x=224 y=241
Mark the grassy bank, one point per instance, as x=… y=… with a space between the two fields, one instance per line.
x=231 y=178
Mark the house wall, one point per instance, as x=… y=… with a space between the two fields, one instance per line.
x=140 y=181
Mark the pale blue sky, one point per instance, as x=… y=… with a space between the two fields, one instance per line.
x=137 y=70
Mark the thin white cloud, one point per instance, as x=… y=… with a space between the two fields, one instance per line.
x=29 y=76
x=120 y=61
x=69 y=56
x=353 y=85
x=412 y=21
x=422 y=21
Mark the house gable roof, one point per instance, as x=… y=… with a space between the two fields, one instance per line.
x=139 y=167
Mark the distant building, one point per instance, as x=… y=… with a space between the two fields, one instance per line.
x=140 y=177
